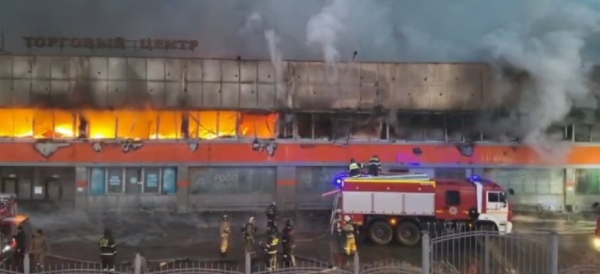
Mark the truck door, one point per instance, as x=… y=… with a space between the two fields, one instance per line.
x=497 y=205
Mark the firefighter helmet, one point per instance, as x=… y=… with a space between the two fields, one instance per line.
x=251 y=220
x=347 y=218
x=225 y=218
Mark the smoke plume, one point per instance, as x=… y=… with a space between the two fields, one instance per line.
x=277 y=61
x=548 y=53
x=322 y=33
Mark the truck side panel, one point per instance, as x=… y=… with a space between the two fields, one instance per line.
x=388 y=203
x=357 y=202
x=419 y=204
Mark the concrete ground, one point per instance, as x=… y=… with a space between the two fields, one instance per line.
x=73 y=236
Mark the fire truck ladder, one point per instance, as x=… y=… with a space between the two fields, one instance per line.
x=336 y=201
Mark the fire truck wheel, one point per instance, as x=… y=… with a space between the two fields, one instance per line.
x=408 y=234
x=380 y=232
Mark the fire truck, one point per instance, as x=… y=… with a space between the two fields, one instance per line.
x=398 y=207
x=9 y=221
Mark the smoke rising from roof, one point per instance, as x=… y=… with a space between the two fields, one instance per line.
x=548 y=51
x=549 y=41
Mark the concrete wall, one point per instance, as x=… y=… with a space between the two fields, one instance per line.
x=119 y=82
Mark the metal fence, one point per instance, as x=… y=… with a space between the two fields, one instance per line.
x=442 y=253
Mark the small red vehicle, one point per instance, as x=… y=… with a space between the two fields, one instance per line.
x=399 y=207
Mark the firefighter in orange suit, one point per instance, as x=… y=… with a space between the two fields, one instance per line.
x=225 y=231
x=348 y=228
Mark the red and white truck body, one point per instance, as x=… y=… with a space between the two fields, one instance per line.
x=402 y=205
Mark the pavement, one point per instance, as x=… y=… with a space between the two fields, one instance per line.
x=161 y=236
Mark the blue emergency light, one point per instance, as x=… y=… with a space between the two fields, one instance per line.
x=338 y=180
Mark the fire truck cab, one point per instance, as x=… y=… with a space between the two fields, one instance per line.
x=399 y=207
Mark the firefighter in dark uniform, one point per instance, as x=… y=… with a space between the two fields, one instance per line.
x=271 y=251
x=354 y=168
x=248 y=231
x=374 y=166
x=287 y=240
x=271 y=215
x=21 y=243
x=108 y=250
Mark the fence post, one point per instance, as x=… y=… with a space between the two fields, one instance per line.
x=553 y=253
x=248 y=264
x=486 y=255
x=26 y=264
x=356 y=263
x=137 y=264
x=425 y=257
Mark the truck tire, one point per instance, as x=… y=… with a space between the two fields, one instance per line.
x=380 y=232
x=408 y=234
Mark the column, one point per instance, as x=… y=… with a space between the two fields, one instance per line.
x=183 y=189
x=286 y=188
x=81 y=187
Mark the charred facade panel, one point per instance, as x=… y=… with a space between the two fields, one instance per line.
x=103 y=82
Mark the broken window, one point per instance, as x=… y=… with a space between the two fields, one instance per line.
x=322 y=126
x=417 y=125
x=64 y=124
x=42 y=123
x=286 y=126
x=398 y=126
x=435 y=127
x=169 y=125
x=213 y=124
x=261 y=126
x=304 y=125
x=454 y=128
x=365 y=127
x=135 y=124
x=582 y=133
x=341 y=126
x=16 y=123
x=53 y=124
x=102 y=124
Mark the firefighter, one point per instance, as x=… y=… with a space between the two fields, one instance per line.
x=108 y=250
x=337 y=229
x=348 y=228
x=38 y=248
x=354 y=168
x=287 y=240
x=271 y=250
x=249 y=230
x=225 y=231
x=271 y=215
x=374 y=166
x=20 y=242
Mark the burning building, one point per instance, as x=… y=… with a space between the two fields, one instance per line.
x=129 y=122
x=197 y=134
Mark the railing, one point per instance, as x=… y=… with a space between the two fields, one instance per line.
x=442 y=253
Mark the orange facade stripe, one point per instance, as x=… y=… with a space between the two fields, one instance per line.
x=286 y=182
x=204 y=153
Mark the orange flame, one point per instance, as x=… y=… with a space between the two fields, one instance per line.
x=140 y=125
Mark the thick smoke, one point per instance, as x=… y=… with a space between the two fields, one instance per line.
x=253 y=26
x=548 y=53
x=547 y=42
x=322 y=33
x=277 y=60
